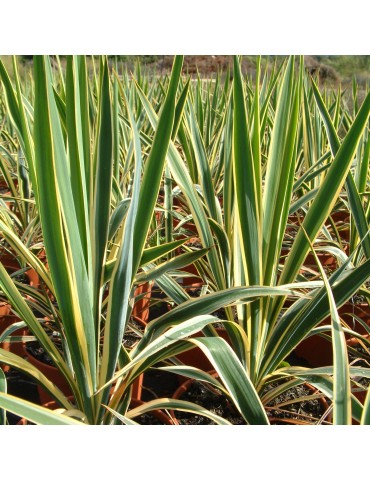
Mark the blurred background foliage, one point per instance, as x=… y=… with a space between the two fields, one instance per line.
x=332 y=69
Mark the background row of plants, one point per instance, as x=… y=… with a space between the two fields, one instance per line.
x=331 y=69
x=222 y=216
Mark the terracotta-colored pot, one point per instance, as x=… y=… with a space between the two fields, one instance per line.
x=53 y=404
x=316 y=351
x=178 y=202
x=185 y=386
x=4 y=309
x=340 y=216
x=22 y=421
x=11 y=265
x=326 y=259
x=50 y=372
x=33 y=277
x=42 y=255
x=137 y=387
x=193 y=282
x=354 y=342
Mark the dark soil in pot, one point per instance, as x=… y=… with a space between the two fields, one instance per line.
x=211 y=399
x=38 y=352
x=148 y=419
x=193 y=292
x=130 y=338
x=304 y=412
x=300 y=412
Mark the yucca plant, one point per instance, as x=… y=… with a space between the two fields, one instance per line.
x=72 y=184
x=259 y=185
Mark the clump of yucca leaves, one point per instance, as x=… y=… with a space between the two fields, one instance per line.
x=94 y=153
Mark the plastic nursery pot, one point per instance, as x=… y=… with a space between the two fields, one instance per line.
x=192 y=282
x=11 y=265
x=42 y=255
x=329 y=262
x=33 y=278
x=22 y=421
x=143 y=294
x=178 y=202
x=159 y=305
x=51 y=372
x=4 y=309
x=315 y=350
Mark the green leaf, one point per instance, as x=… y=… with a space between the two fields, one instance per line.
x=3 y=388
x=235 y=378
x=179 y=405
x=327 y=195
x=34 y=413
